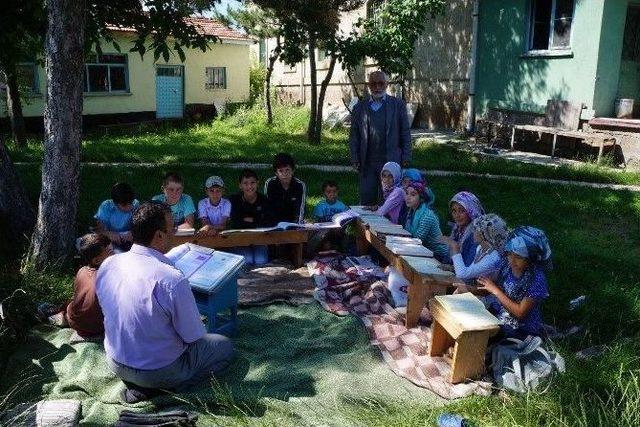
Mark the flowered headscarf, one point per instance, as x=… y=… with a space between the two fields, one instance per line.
x=530 y=243
x=474 y=209
x=396 y=171
x=420 y=184
x=493 y=229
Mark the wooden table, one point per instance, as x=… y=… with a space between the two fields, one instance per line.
x=469 y=339
x=296 y=238
x=422 y=287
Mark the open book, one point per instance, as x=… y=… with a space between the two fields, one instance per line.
x=467 y=310
x=204 y=268
x=337 y=221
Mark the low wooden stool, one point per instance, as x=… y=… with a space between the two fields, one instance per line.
x=463 y=321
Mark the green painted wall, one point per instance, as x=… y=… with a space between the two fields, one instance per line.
x=507 y=78
x=609 y=59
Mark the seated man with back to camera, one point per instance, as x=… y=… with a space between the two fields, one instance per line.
x=154 y=337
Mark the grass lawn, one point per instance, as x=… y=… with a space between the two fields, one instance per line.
x=243 y=137
x=595 y=237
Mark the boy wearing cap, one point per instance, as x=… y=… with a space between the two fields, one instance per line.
x=214 y=210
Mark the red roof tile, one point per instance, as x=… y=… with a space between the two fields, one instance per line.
x=206 y=26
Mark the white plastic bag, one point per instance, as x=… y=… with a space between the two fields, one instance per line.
x=398 y=286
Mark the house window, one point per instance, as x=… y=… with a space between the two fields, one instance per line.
x=374 y=7
x=106 y=74
x=262 y=53
x=28 y=77
x=290 y=69
x=216 y=78
x=551 y=22
x=322 y=55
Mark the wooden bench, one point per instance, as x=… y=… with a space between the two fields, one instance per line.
x=422 y=287
x=297 y=238
x=461 y=321
x=562 y=118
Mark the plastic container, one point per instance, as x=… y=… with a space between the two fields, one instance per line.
x=624 y=108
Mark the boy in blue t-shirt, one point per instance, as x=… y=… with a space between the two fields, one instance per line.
x=182 y=207
x=113 y=218
x=326 y=209
x=325 y=240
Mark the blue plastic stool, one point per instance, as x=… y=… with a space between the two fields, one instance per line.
x=220 y=305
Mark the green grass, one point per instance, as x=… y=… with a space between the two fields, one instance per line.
x=243 y=137
x=595 y=237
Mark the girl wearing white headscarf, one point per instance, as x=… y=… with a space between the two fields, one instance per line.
x=490 y=233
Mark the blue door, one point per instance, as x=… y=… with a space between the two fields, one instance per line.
x=169 y=91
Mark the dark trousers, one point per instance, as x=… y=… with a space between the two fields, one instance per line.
x=370 y=190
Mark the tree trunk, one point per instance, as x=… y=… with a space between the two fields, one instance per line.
x=353 y=84
x=52 y=243
x=14 y=106
x=313 y=74
x=16 y=213
x=323 y=92
x=267 y=81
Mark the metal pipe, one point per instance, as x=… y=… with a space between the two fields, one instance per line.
x=471 y=107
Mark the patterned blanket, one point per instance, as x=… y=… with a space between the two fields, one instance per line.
x=354 y=285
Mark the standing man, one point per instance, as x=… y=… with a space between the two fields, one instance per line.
x=154 y=338
x=379 y=134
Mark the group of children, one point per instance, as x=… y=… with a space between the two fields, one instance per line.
x=507 y=265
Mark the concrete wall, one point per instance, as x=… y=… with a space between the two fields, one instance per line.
x=142 y=83
x=509 y=78
x=438 y=83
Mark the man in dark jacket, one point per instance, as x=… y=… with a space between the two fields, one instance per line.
x=379 y=134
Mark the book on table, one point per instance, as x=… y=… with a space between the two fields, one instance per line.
x=427 y=267
x=338 y=220
x=467 y=310
x=402 y=240
x=413 y=249
x=392 y=229
x=204 y=268
x=361 y=210
x=185 y=231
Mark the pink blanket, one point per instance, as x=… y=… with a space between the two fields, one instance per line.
x=354 y=285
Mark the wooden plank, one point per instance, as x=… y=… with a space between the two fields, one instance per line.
x=468 y=355
x=440 y=340
x=247 y=238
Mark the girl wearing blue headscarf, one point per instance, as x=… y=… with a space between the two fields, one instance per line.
x=409 y=176
x=521 y=286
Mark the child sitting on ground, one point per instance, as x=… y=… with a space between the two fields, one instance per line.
x=490 y=233
x=521 y=286
x=324 y=211
x=409 y=175
x=214 y=210
x=422 y=222
x=391 y=180
x=113 y=218
x=182 y=207
x=83 y=313
x=250 y=209
x=327 y=208
x=286 y=193
x=464 y=208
